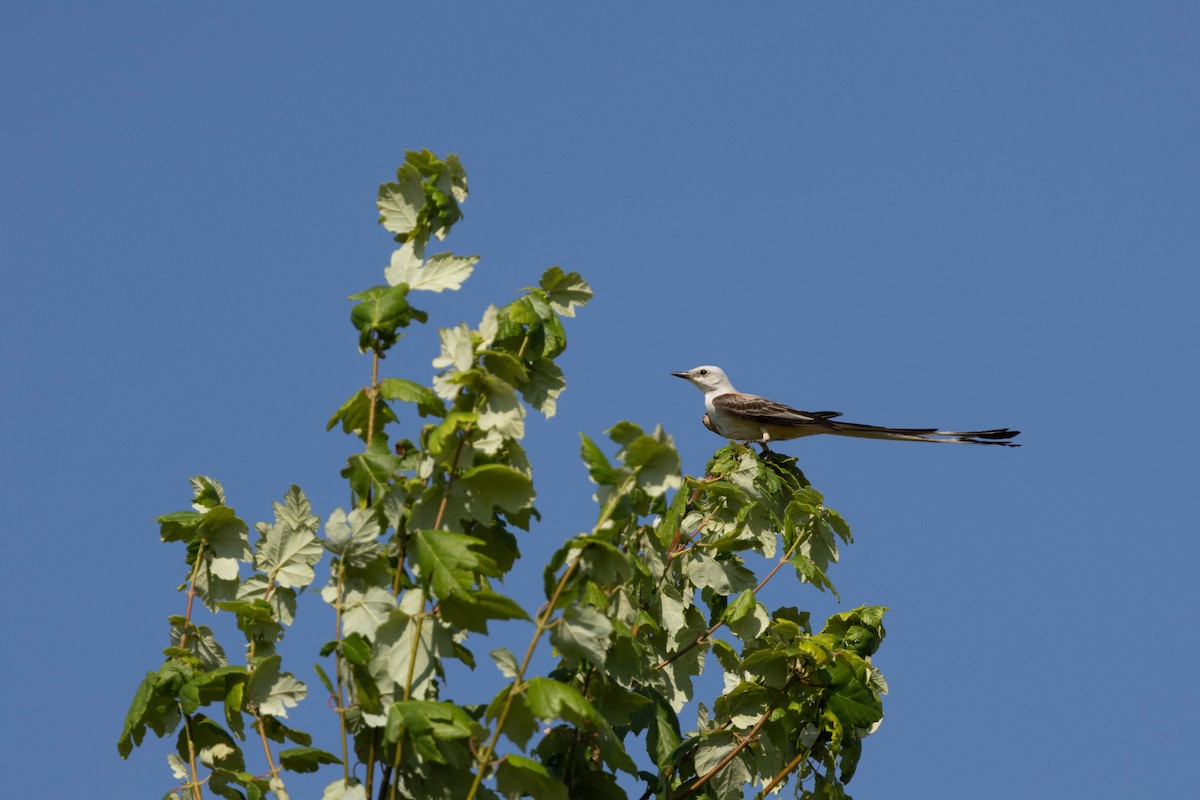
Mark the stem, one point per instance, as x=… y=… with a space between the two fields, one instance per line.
x=412 y=653
x=372 y=394
x=339 y=668
x=783 y=773
x=782 y=560
x=751 y=735
x=191 y=596
x=542 y=624
x=262 y=732
x=194 y=784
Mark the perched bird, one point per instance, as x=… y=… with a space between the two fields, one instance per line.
x=749 y=418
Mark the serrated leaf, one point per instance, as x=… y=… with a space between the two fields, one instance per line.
x=599 y=469
x=549 y=699
x=353 y=538
x=442 y=271
x=406 y=261
x=287 y=555
x=851 y=698
x=364 y=611
x=519 y=725
x=401 y=201
x=457 y=348
x=472 y=609
x=656 y=463
x=506 y=661
x=447 y=561
x=342 y=790
x=379 y=314
x=306 y=759
x=372 y=471
x=495 y=486
x=583 y=633
x=565 y=291
x=355 y=414
x=543 y=385
x=272 y=691
x=517 y=777
x=502 y=412
x=410 y=392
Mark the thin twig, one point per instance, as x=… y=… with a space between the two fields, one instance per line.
x=742 y=745
x=782 y=560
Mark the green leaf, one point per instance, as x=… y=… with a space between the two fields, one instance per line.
x=545 y=383
x=852 y=698
x=549 y=699
x=599 y=470
x=409 y=392
x=730 y=781
x=380 y=313
x=447 y=561
x=306 y=759
x=495 y=486
x=271 y=691
x=444 y=721
x=565 y=290
x=624 y=432
x=583 y=633
x=355 y=413
x=519 y=725
x=517 y=777
x=400 y=202
x=471 y=609
x=657 y=464
x=372 y=471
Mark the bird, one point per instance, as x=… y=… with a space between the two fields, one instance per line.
x=753 y=419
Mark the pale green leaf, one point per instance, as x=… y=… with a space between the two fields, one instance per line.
x=506 y=661
x=543 y=385
x=271 y=691
x=457 y=349
x=287 y=554
x=489 y=326
x=443 y=271
x=400 y=202
x=364 y=611
x=502 y=412
x=341 y=790
x=406 y=261
x=353 y=538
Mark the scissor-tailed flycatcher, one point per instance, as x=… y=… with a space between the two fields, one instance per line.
x=749 y=418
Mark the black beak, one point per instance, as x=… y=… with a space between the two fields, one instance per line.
x=683 y=375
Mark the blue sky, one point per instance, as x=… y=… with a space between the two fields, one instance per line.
x=966 y=215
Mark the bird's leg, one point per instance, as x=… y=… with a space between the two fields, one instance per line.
x=763 y=441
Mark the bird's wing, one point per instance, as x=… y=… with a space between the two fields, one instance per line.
x=760 y=409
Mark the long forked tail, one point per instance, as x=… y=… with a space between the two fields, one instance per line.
x=996 y=436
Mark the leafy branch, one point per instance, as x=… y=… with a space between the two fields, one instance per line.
x=441 y=491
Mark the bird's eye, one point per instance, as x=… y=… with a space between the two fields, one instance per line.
x=703 y=372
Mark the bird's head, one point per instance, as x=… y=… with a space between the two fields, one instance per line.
x=706 y=379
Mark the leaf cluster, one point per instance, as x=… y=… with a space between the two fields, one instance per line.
x=663 y=586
